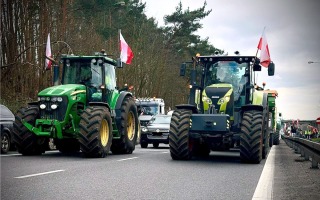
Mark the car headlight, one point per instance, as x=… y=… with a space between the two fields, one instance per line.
x=144 y=129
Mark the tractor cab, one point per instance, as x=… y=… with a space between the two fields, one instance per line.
x=96 y=73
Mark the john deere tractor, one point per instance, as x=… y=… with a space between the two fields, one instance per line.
x=85 y=111
x=225 y=109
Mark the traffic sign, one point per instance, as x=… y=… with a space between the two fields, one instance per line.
x=318 y=120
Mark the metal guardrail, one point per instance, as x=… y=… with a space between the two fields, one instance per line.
x=308 y=149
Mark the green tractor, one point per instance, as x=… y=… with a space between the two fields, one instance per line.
x=85 y=112
x=225 y=110
x=274 y=125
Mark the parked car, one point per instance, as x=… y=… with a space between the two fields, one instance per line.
x=156 y=131
x=6 y=123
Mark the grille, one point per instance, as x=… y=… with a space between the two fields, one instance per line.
x=143 y=123
x=58 y=113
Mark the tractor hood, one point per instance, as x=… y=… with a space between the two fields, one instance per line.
x=219 y=95
x=61 y=90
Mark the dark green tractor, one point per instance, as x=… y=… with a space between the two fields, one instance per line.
x=225 y=110
x=85 y=111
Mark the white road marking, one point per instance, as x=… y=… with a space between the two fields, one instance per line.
x=264 y=188
x=127 y=159
x=39 y=174
x=165 y=152
x=8 y=155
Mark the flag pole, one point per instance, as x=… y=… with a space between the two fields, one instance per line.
x=119 y=45
x=255 y=58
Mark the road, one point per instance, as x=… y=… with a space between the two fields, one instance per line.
x=146 y=174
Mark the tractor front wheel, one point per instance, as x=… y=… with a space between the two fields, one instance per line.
x=179 y=144
x=28 y=143
x=95 y=136
x=251 y=137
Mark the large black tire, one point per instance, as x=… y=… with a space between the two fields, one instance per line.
x=5 y=142
x=276 y=139
x=266 y=135
x=128 y=130
x=95 y=136
x=155 y=145
x=251 y=137
x=68 y=145
x=28 y=143
x=179 y=144
x=271 y=139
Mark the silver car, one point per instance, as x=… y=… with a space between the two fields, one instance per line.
x=156 y=131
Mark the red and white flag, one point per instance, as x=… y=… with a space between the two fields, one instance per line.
x=48 y=62
x=126 y=54
x=264 y=53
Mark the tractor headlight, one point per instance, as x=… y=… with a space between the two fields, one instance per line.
x=42 y=98
x=206 y=100
x=42 y=106
x=225 y=99
x=59 y=99
x=54 y=106
x=39 y=98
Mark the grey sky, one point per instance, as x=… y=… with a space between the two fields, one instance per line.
x=293 y=35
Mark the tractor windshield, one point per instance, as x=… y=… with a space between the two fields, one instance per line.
x=227 y=72
x=89 y=73
x=81 y=72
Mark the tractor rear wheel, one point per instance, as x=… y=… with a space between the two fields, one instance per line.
x=28 y=143
x=95 y=136
x=179 y=144
x=251 y=137
x=129 y=128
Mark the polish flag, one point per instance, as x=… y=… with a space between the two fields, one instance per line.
x=48 y=62
x=126 y=54
x=264 y=53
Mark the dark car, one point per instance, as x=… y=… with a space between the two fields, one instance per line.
x=156 y=131
x=6 y=123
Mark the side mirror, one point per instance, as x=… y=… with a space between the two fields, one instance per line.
x=183 y=69
x=271 y=69
x=280 y=114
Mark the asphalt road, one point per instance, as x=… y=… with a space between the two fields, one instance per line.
x=146 y=174
x=152 y=174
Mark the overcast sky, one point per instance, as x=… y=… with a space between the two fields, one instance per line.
x=293 y=35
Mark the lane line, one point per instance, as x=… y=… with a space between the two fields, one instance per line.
x=264 y=189
x=127 y=159
x=39 y=174
x=8 y=155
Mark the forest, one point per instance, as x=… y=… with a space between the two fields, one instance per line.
x=82 y=27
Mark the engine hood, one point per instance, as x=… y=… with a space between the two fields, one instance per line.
x=60 y=90
x=145 y=117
